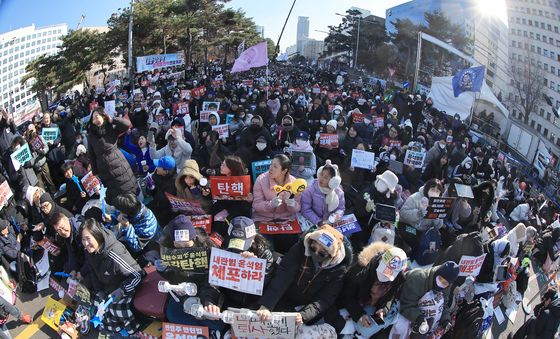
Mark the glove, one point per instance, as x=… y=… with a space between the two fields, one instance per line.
x=291 y=202
x=276 y=202
x=117 y=294
x=370 y=206
x=420 y=325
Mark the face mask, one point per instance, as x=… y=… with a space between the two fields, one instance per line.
x=393 y=157
x=323 y=122
x=137 y=109
x=287 y=128
x=261 y=146
x=442 y=146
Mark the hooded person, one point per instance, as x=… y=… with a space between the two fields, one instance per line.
x=311 y=274
x=464 y=170
x=299 y=149
x=370 y=288
x=249 y=138
x=189 y=187
x=185 y=124
x=436 y=152
x=176 y=147
x=286 y=134
x=496 y=252
x=424 y=300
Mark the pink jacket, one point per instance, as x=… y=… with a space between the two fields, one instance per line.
x=263 y=193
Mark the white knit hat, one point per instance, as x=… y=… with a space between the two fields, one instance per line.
x=81 y=149
x=390 y=179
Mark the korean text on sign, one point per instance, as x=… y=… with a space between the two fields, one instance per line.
x=190 y=259
x=231 y=270
x=414 y=159
x=326 y=140
x=347 y=225
x=170 y=330
x=184 y=206
x=251 y=327
x=285 y=227
x=470 y=266
x=230 y=188
x=91 y=183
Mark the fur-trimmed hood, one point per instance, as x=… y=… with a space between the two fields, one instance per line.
x=371 y=251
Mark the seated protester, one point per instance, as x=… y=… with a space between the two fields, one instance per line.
x=370 y=286
x=463 y=171
x=545 y=322
x=239 y=121
x=211 y=154
x=436 y=152
x=496 y=252
x=189 y=188
x=271 y=206
x=176 y=147
x=298 y=170
x=22 y=177
x=205 y=129
x=415 y=207
x=354 y=178
x=9 y=244
x=323 y=202
x=461 y=210
x=39 y=149
x=262 y=150
x=164 y=182
x=71 y=247
x=231 y=166
x=391 y=140
x=311 y=274
x=328 y=151
x=524 y=212
x=76 y=195
x=141 y=151
x=544 y=253
x=437 y=169
x=286 y=134
x=249 y=136
x=113 y=273
x=48 y=209
x=425 y=286
x=341 y=129
x=138 y=227
x=351 y=141
x=484 y=198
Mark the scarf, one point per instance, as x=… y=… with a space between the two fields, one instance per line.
x=331 y=198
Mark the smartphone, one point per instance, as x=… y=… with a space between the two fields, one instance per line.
x=378 y=320
x=501 y=273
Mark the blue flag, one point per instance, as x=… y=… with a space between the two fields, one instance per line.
x=469 y=79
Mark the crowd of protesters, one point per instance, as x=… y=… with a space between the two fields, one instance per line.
x=393 y=278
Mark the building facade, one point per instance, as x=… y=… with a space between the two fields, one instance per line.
x=313 y=48
x=17 y=49
x=302 y=33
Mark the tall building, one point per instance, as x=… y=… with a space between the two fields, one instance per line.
x=313 y=48
x=534 y=45
x=488 y=33
x=260 y=31
x=302 y=33
x=365 y=12
x=17 y=49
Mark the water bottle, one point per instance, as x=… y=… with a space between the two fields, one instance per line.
x=189 y=288
x=424 y=327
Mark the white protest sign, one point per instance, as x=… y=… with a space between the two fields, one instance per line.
x=5 y=194
x=283 y=326
x=231 y=270
x=470 y=266
x=110 y=108
x=363 y=159
x=414 y=159
x=223 y=130
x=21 y=156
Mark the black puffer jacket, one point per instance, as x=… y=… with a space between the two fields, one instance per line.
x=108 y=162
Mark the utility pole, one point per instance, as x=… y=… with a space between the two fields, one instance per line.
x=80 y=22
x=130 y=70
x=357 y=42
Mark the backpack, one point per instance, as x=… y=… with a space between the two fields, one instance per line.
x=27 y=273
x=428 y=247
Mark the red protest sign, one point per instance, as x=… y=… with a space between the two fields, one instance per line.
x=230 y=188
x=5 y=194
x=198 y=92
x=326 y=140
x=90 y=183
x=47 y=244
x=170 y=330
x=281 y=227
x=184 y=206
x=379 y=122
x=183 y=108
x=358 y=117
x=248 y=83
x=202 y=221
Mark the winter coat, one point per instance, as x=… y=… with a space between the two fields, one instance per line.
x=465 y=244
x=74 y=200
x=67 y=132
x=108 y=163
x=143 y=228
x=418 y=282
x=434 y=170
x=520 y=213
x=9 y=246
x=545 y=246
x=411 y=213
x=313 y=205
x=161 y=205
x=434 y=153
x=73 y=250
x=185 y=192
x=112 y=267
x=7 y=134
x=140 y=155
x=298 y=281
x=263 y=193
x=547 y=322
x=182 y=152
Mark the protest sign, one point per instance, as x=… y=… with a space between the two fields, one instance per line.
x=161 y=119
x=198 y=92
x=116 y=82
x=203 y=221
x=184 y=206
x=414 y=159
x=52 y=312
x=395 y=144
x=49 y=133
x=244 y=326
x=204 y=116
x=183 y=108
x=347 y=225
x=396 y=166
x=248 y=83
x=379 y=122
x=213 y=106
x=363 y=159
x=301 y=158
x=385 y=213
x=280 y=227
x=91 y=183
x=501 y=157
x=176 y=331
x=151 y=62
x=110 y=90
x=110 y=108
x=50 y=246
x=21 y=156
x=260 y=167
x=464 y=191
x=187 y=258
x=223 y=130
x=470 y=266
x=438 y=208
x=36 y=143
x=229 y=118
x=230 y=188
x=358 y=117
x=232 y=271
x=326 y=140
x=186 y=94
x=5 y=194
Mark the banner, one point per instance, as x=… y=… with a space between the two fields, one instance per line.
x=21 y=156
x=252 y=327
x=414 y=159
x=379 y=122
x=213 y=106
x=52 y=312
x=91 y=183
x=438 y=208
x=358 y=117
x=223 y=130
x=198 y=92
x=188 y=258
x=469 y=79
x=202 y=221
x=184 y=206
x=49 y=133
x=5 y=193
x=260 y=167
x=328 y=140
x=110 y=108
x=231 y=270
x=363 y=159
x=230 y=188
x=172 y=331
x=254 y=56
x=470 y=266
x=151 y=62
x=301 y=158
x=280 y=227
x=347 y=225
x=248 y=83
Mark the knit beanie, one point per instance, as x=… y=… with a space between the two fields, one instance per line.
x=449 y=271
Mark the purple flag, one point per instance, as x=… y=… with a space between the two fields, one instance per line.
x=254 y=56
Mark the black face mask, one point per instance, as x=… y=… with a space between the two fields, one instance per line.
x=287 y=128
x=255 y=127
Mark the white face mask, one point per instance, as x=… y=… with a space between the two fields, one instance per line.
x=433 y=194
x=261 y=146
x=393 y=157
x=468 y=166
x=381 y=186
x=323 y=122
x=440 y=284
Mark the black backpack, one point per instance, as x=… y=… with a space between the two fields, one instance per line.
x=27 y=273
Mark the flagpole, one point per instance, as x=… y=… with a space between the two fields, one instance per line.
x=267 y=82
